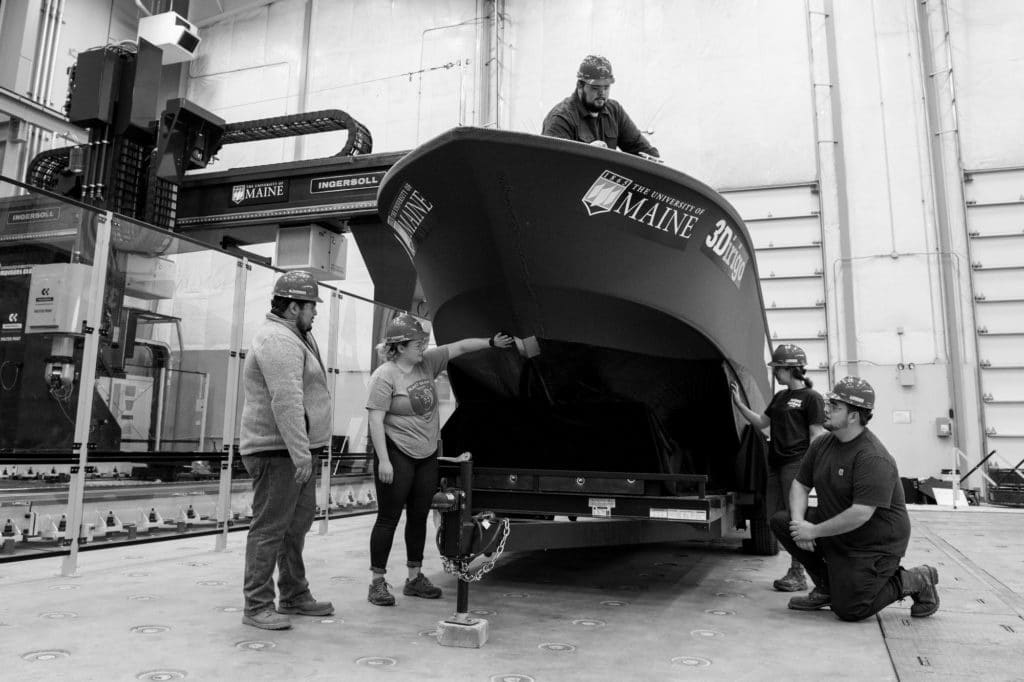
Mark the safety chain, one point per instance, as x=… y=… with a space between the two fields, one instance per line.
x=461 y=568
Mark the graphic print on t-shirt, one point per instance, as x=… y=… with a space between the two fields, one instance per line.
x=795 y=403
x=422 y=397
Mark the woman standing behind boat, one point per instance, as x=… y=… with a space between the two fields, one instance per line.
x=796 y=416
x=405 y=429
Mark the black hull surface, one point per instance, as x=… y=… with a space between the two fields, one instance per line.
x=637 y=281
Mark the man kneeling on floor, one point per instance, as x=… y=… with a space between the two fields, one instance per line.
x=852 y=542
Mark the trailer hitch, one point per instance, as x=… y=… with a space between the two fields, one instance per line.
x=463 y=536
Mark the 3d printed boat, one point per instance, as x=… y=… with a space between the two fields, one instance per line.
x=638 y=283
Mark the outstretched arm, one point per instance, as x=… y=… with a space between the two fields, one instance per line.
x=499 y=340
x=758 y=421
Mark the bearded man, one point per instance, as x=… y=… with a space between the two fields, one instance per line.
x=589 y=115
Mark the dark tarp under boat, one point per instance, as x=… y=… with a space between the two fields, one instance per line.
x=637 y=282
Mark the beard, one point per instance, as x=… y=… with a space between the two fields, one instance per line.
x=593 y=107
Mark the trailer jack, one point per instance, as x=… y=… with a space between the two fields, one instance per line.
x=462 y=537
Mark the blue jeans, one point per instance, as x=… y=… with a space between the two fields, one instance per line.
x=282 y=514
x=412 y=488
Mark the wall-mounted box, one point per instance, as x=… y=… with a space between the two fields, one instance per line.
x=313 y=248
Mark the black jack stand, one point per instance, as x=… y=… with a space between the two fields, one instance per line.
x=461 y=630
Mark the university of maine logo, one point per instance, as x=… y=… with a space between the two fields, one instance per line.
x=267 y=192
x=605 y=191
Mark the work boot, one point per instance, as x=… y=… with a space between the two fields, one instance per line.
x=379 y=594
x=919 y=584
x=815 y=599
x=309 y=608
x=267 y=619
x=421 y=587
x=793 y=581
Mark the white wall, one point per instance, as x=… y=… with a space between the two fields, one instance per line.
x=896 y=210
x=394 y=67
x=989 y=78
x=721 y=83
x=892 y=306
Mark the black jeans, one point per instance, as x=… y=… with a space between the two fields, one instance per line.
x=780 y=480
x=412 y=488
x=860 y=584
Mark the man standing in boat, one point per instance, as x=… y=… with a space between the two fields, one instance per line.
x=589 y=115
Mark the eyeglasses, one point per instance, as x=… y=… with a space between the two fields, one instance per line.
x=835 y=403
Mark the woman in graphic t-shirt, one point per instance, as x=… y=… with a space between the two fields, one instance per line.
x=796 y=416
x=405 y=429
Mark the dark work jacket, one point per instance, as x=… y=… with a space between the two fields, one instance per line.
x=570 y=120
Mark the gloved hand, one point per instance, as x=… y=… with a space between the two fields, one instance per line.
x=501 y=340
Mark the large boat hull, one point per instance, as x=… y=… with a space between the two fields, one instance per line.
x=637 y=281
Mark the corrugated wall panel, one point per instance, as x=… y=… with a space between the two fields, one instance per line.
x=785 y=226
x=995 y=223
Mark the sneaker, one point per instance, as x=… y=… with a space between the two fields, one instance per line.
x=814 y=600
x=309 y=608
x=793 y=581
x=421 y=587
x=267 y=619
x=379 y=594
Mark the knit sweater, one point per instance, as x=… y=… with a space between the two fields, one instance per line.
x=287 y=402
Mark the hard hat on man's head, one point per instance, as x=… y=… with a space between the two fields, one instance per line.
x=854 y=391
x=788 y=355
x=403 y=328
x=595 y=70
x=298 y=285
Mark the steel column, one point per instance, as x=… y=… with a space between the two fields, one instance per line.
x=231 y=401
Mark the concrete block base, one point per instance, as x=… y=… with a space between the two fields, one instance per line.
x=461 y=631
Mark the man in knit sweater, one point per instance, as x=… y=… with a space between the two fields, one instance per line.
x=286 y=420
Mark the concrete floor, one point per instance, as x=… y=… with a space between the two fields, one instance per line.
x=172 y=610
